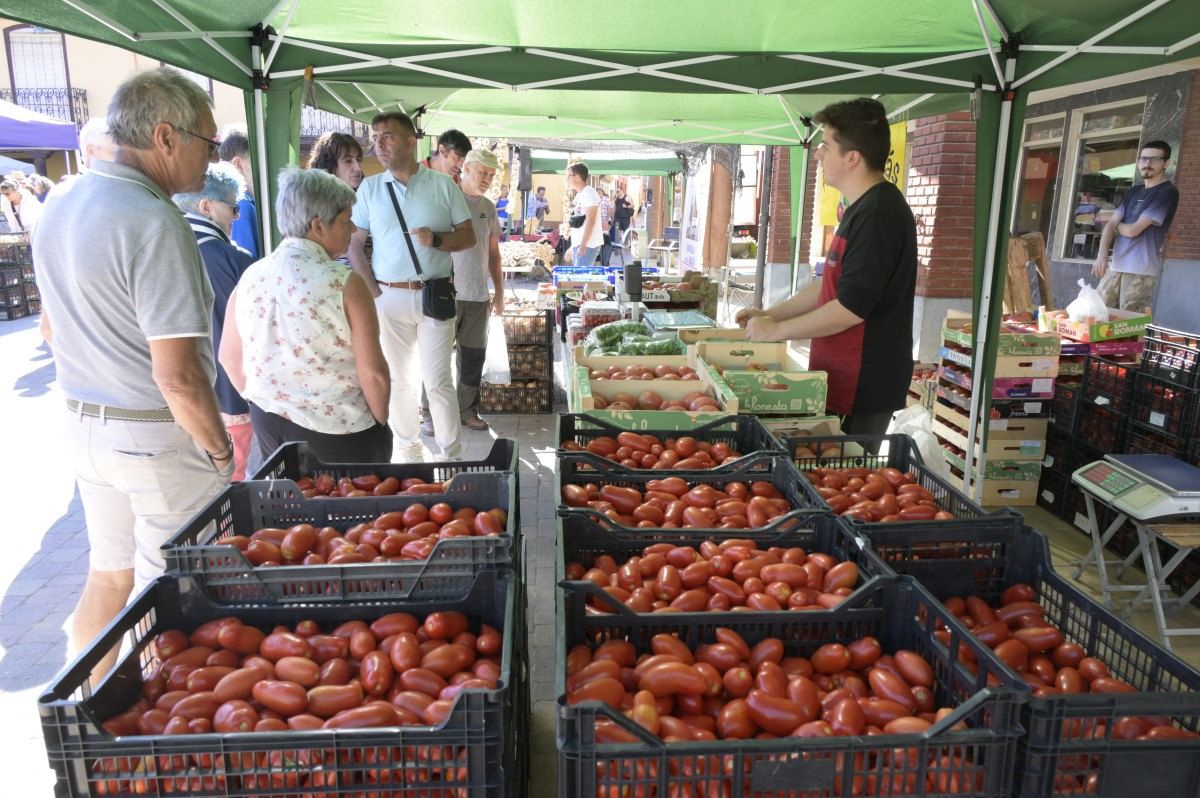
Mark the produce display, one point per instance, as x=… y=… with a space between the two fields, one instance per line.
x=630 y=338
x=728 y=575
x=728 y=690
x=368 y=485
x=229 y=677
x=410 y=534
x=636 y=372
x=884 y=495
x=652 y=400
x=671 y=503
x=636 y=450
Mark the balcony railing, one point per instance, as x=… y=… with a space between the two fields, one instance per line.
x=314 y=122
x=70 y=105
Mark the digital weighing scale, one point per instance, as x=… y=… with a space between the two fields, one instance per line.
x=1147 y=489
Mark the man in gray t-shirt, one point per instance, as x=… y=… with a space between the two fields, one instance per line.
x=1136 y=231
x=471 y=270
x=128 y=306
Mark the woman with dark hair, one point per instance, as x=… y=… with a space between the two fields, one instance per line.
x=340 y=155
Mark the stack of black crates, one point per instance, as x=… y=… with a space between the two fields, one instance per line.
x=19 y=295
x=1165 y=411
x=530 y=338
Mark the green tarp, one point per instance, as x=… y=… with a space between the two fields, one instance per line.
x=556 y=163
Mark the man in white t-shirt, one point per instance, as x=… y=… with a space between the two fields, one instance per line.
x=587 y=238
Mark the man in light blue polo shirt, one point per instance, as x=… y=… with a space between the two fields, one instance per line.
x=439 y=223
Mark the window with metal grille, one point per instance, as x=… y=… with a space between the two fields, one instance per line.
x=37 y=58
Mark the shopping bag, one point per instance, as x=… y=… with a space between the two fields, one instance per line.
x=1088 y=306
x=495 y=359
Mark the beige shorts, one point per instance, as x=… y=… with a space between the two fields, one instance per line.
x=140 y=482
x=1127 y=291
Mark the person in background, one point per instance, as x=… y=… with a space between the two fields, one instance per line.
x=606 y=221
x=472 y=267
x=131 y=306
x=502 y=211
x=94 y=142
x=535 y=210
x=211 y=211
x=318 y=376
x=622 y=214
x=235 y=148
x=859 y=316
x=340 y=155
x=40 y=187
x=452 y=149
x=1139 y=226
x=20 y=207
x=587 y=238
x=438 y=223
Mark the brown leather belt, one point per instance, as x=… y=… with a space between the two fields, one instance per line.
x=415 y=285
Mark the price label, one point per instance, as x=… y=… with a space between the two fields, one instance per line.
x=1158 y=420
x=1045 y=385
x=1048 y=462
x=1033 y=408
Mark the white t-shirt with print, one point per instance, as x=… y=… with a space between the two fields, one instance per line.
x=588 y=198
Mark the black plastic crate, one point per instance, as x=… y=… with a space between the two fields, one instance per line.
x=10 y=275
x=1052 y=488
x=1101 y=427
x=484 y=738
x=294 y=460
x=969 y=561
x=898 y=612
x=529 y=396
x=1165 y=407
x=529 y=328
x=228 y=577
x=12 y=296
x=13 y=312
x=582 y=540
x=781 y=473
x=1172 y=356
x=20 y=254
x=902 y=455
x=1058 y=449
x=1193 y=455
x=743 y=434
x=530 y=361
x=1142 y=439
x=1108 y=383
x=1065 y=404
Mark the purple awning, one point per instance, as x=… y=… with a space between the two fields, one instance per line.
x=23 y=129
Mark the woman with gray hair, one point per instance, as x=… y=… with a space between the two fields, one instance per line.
x=211 y=211
x=301 y=340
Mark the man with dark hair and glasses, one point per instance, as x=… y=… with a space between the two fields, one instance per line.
x=452 y=149
x=1136 y=232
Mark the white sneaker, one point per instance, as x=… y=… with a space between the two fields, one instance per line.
x=413 y=453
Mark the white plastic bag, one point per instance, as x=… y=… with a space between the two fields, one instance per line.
x=495 y=360
x=916 y=422
x=1089 y=305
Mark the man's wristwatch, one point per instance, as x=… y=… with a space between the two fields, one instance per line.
x=437 y=240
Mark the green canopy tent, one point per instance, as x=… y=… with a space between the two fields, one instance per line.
x=551 y=162
x=657 y=70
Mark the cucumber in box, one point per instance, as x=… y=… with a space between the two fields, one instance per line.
x=766 y=377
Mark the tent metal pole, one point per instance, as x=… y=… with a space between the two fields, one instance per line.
x=260 y=133
x=107 y=22
x=973 y=487
x=764 y=219
x=987 y=42
x=287 y=22
x=211 y=42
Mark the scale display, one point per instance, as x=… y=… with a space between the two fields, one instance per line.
x=1143 y=486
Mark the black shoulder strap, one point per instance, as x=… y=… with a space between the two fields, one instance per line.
x=404 y=226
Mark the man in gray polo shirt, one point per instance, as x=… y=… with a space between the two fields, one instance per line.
x=439 y=223
x=129 y=306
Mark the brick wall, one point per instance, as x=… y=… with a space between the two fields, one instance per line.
x=779 y=246
x=941 y=192
x=810 y=208
x=1183 y=242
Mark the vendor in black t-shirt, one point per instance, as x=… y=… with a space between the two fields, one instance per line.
x=859 y=316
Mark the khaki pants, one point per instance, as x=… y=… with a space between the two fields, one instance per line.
x=1127 y=291
x=140 y=482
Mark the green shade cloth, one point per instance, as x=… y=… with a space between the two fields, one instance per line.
x=556 y=163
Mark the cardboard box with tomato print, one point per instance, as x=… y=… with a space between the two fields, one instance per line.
x=766 y=377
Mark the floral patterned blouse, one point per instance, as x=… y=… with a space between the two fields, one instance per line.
x=296 y=340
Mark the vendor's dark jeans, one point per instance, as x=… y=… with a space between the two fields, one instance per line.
x=867 y=424
x=372 y=445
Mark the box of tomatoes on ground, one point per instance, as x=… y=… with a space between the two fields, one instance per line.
x=886 y=693
x=639 y=399
x=265 y=542
x=1111 y=712
x=766 y=377
x=407 y=699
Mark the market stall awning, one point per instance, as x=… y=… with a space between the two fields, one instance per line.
x=551 y=162
x=23 y=129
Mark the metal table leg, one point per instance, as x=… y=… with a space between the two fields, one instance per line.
x=1097 y=553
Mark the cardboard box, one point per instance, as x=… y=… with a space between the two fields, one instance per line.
x=581 y=400
x=1007 y=365
x=1002 y=422
x=1014 y=340
x=1029 y=449
x=1001 y=470
x=601 y=363
x=784 y=427
x=1008 y=493
x=784 y=386
x=691 y=336
x=1006 y=388
x=1120 y=324
x=1001 y=408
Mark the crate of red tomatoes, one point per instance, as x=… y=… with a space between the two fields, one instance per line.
x=1111 y=712
x=263 y=541
x=885 y=694
x=404 y=699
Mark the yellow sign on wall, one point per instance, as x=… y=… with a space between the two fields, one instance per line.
x=829 y=199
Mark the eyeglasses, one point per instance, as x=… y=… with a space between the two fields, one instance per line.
x=1150 y=158
x=213 y=144
x=233 y=207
